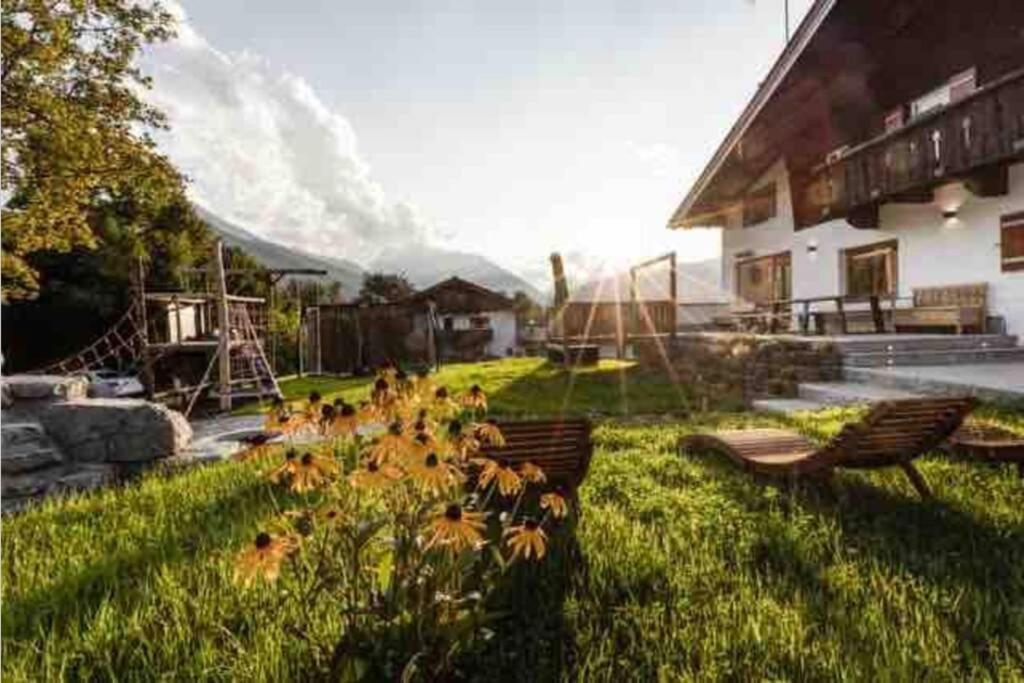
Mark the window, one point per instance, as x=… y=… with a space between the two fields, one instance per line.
x=759 y=205
x=479 y=322
x=871 y=270
x=955 y=89
x=1011 y=241
x=765 y=279
x=449 y=323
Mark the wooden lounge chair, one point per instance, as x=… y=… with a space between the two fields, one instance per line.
x=562 y=448
x=988 y=443
x=893 y=433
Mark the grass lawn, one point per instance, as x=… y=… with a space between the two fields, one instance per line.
x=680 y=568
x=532 y=386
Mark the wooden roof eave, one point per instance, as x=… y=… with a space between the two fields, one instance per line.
x=681 y=217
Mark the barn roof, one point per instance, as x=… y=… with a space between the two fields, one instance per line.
x=456 y=295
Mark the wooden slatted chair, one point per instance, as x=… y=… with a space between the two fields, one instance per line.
x=988 y=443
x=893 y=433
x=562 y=448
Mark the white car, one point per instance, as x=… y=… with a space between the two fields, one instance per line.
x=112 y=384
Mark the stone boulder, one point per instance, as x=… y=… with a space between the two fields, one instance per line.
x=116 y=430
x=45 y=387
x=26 y=447
x=21 y=490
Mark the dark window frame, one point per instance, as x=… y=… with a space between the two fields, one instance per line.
x=774 y=266
x=1011 y=262
x=863 y=250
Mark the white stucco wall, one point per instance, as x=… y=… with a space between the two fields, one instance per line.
x=932 y=250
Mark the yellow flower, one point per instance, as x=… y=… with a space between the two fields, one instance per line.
x=475 y=399
x=443 y=406
x=532 y=473
x=403 y=387
x=390 y=446
x=332 y=516
x=434 y=475
x=508 y=481
x=554 y=503
x=262 y=560
x=283 y=473
x=457 y=528
x=423 y=424
x=369 y=413
x=257 y=446
x=344 y=422
x=527 y=539
x=489 y=434
x=382 y=396
x=463 y=444
x=387 y=372
x=424 y=385
x=313 y=407
x=310 y=472
x=374 y=476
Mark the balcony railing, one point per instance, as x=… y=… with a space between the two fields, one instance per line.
x=984 y=129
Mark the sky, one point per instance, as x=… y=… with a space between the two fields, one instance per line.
x=511 y=128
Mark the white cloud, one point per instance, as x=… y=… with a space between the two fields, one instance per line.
x=262 y=149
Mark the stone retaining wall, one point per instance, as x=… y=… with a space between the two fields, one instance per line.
x=55 y=440
x=728 y=368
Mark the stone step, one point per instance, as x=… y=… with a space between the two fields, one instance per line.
x=849 y=393
x=921 y=342
x=1001 y=382
x=876 y=359
x=785 y=406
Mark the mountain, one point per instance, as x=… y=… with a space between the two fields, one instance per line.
x=274 y=255
x=696 y=282
x=422 y=265
x=425 y=265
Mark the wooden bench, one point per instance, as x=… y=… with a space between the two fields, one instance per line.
x=562 y=448
x=956 y=306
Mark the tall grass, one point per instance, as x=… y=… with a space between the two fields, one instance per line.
x=679 y=568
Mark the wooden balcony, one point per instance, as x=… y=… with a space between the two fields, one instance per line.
x=971 y=140
x=466 y=339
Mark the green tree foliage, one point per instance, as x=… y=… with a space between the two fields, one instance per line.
x=75 y=129
x=84 y=290
x=527 y=310
x=379 y=287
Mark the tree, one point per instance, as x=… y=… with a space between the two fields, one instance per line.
x=379 y=287
x=527 y=310
x=83 y=291
x=75 y=130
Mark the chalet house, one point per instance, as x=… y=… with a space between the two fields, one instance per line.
x=472 y=322
x=881 y=157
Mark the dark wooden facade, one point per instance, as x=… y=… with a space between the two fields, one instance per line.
x=971 y=140
x=851 y=64
x=585 y=321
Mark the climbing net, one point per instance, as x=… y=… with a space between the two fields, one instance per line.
x=122 y=345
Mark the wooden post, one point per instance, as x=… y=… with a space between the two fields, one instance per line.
x=673 y=294
x=224 y=337
x=177 y=317
x=431 y=342
x=139 y=283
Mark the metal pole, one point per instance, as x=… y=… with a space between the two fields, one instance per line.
x=224 y=338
